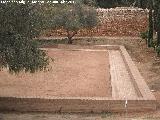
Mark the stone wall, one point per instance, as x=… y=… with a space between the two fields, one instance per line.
x=74 y=105
x=120 y=21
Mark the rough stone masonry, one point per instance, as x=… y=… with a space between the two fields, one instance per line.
x=113 y=22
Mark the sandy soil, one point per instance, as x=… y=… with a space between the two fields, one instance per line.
x=72 y=74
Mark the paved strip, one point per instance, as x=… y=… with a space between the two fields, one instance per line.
x=122 y=86
x=88 y=37
x=57 y=49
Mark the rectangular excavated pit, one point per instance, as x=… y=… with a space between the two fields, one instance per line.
x=71 y=74
x=81 y=79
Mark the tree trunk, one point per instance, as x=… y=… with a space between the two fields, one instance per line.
x=70 y=36
x=70 y=41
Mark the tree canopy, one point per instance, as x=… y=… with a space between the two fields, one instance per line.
x=72 y=17
x=19 y=23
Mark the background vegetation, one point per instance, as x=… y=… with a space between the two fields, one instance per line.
x=21 y=22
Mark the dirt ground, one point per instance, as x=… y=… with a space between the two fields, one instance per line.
x=147 y=63
x=102 y=116
x=145 y=58
x=72 y=74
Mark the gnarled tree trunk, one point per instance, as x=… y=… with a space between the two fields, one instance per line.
x=70 y=35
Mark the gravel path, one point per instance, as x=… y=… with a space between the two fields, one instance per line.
x=120 y=78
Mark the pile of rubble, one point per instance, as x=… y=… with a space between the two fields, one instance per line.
x=120 y=21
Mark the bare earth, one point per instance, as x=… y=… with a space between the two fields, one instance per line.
x=147 y=63
x=72 y=74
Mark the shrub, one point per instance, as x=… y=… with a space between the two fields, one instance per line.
x=144 y=35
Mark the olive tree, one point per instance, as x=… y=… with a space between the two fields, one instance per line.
x=19 y=23
x=73 y=18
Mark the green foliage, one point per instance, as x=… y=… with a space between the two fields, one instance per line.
x=158 y=50
x=154 y=44
x=22 y=19
x=144 y=35
x=154 y=24
x=106 y=3
x=18 y=53
x=150 y=30
x=73 y=18
x=121 y=3
x=19 y=23
x=158 y=25
x=88 y=2
x=156 y=7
